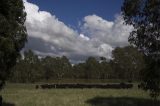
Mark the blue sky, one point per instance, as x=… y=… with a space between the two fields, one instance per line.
x=75 y=28
x=72 y=11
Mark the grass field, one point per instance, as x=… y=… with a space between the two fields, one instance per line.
x=27 y=95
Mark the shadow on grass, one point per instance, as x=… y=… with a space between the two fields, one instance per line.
x=121 y=101
x=7 y=104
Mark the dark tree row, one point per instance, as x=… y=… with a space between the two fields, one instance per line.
x=126 y=64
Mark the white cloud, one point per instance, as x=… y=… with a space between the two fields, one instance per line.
x=113 y=33
x=84 y=37
x=49 y=36
x=94 y=22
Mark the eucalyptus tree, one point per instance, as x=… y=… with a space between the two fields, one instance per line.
x=13 y=35
x=144 y=16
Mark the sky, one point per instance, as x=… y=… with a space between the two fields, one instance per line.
x=71 y=11
x=75 y=28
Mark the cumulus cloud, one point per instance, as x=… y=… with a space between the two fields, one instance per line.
x=113 y=33
x=49 y=36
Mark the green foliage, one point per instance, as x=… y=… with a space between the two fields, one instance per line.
x=12 y=34
x=28 y=69
x=33 y=69
x=79 y=71
x=151 y=78
x=48 y=67
x=107 y=71
x=92 y=68
x=56 y=68
x=128 y=62
x=144 y=15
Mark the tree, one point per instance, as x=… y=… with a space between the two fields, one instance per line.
x=92 y=67
x=128 y=62
x=106 y=71
x=79 y=71
x=66 y=67
x=12 y=35
x=63 y=68
x=32 y=66
x=48 y=64
x=27 y=69
x=144 y=16
x=57 y=67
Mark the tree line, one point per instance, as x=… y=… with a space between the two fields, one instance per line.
x=126 y=64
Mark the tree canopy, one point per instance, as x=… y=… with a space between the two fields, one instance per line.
x=128 y=62
x=13 y=34
x=125 y=65
x=144 y=16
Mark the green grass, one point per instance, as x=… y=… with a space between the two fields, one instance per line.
x=27 y=95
